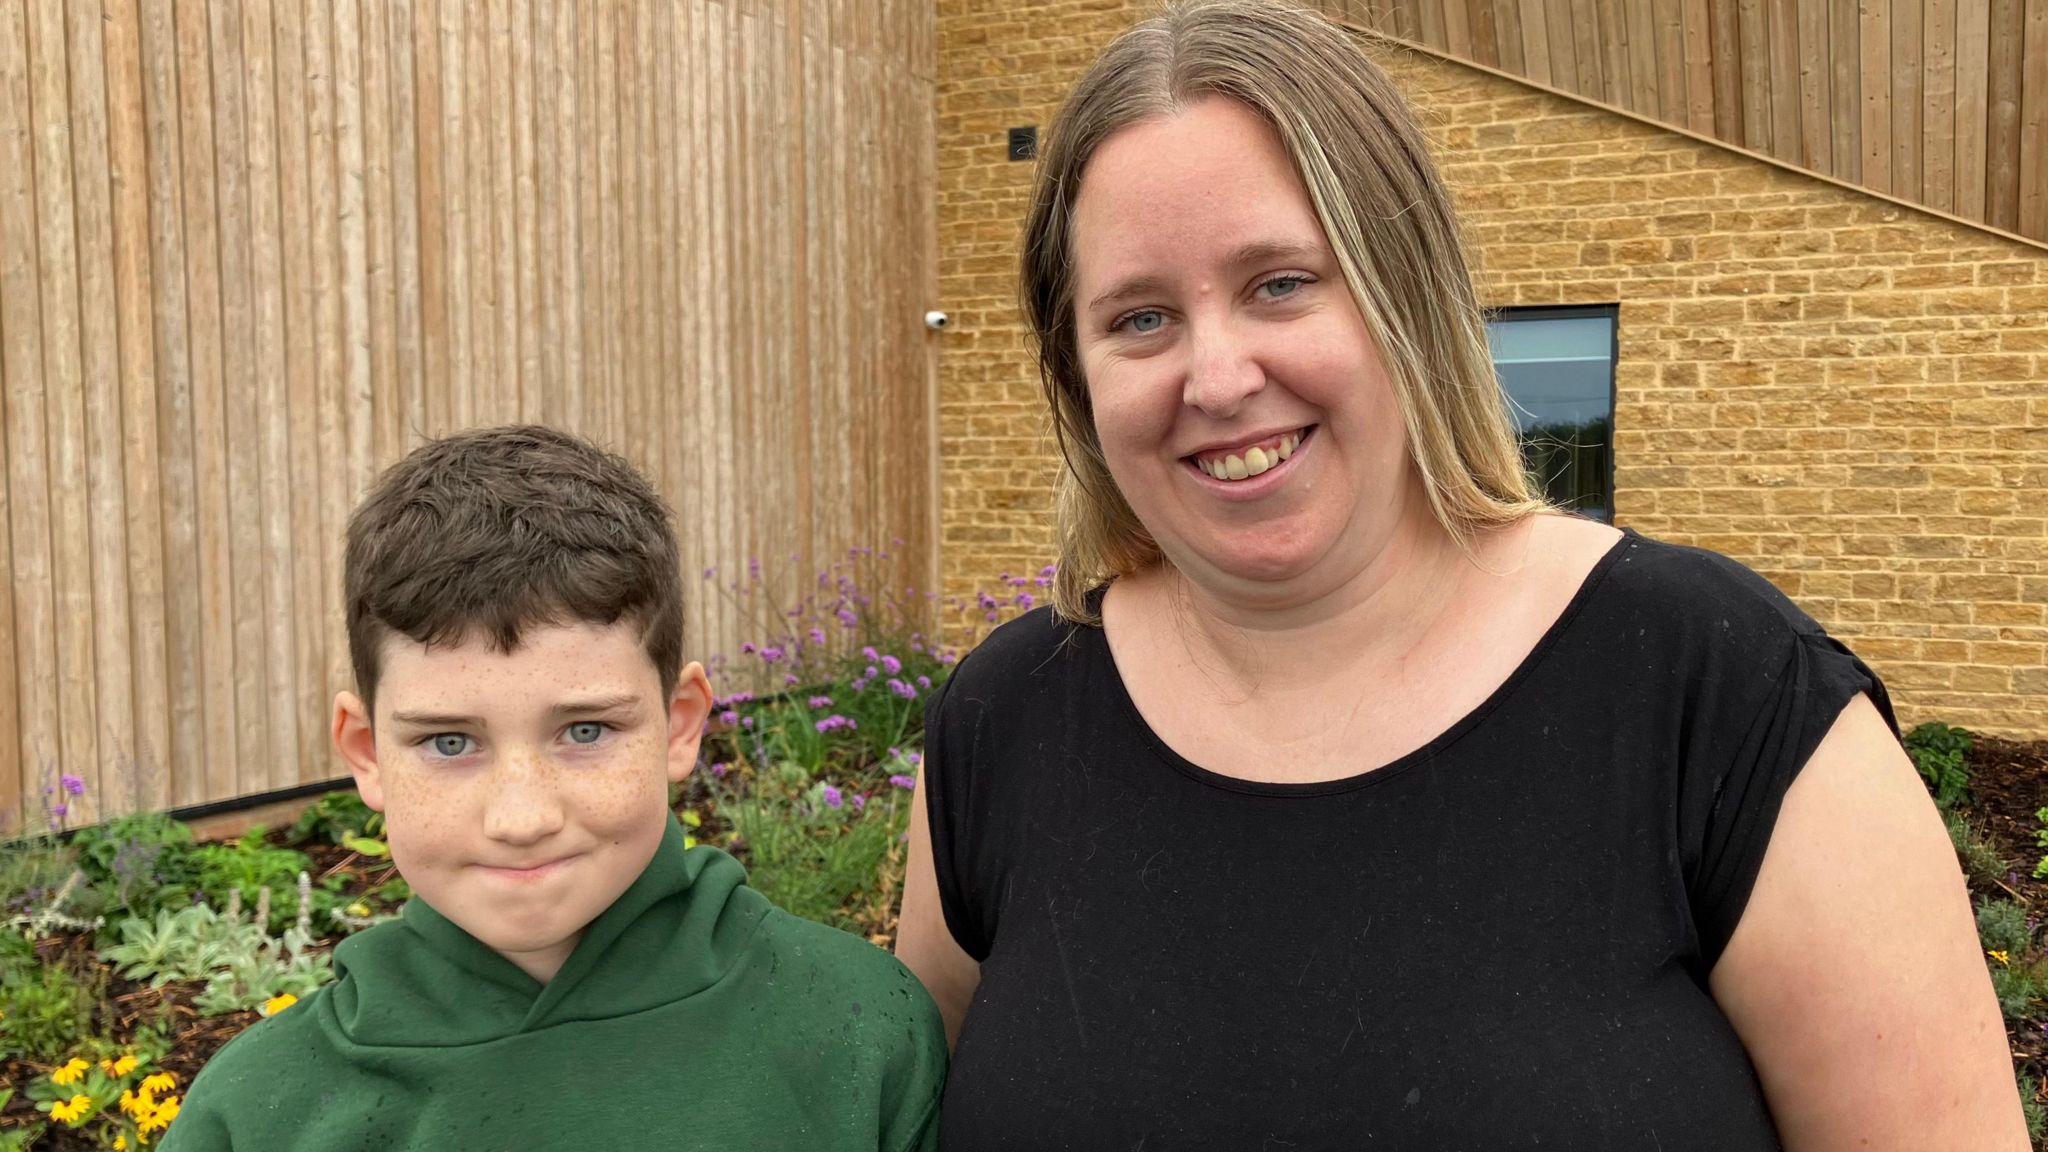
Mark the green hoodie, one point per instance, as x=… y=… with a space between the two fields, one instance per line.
x=693 y=1014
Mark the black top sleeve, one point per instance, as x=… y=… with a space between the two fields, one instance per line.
x=948 y=784
x=1766 y=687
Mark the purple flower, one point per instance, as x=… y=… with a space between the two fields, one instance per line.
x=835 y=723
x=846 y=617
x=1048 y=570
x=771 y=654
x=789 y=679
x=72 y=784
x=924 y=682
x=868 y=652
x=60 y=810
x=821 y=702
x=817 y=635
x=719 y=768
x=903 y=781
x=860 y=802
x=747 y=648
x=746 y=721
x=1025 y=601
x=833 y=798
x=899 y=688
x=891 y=665
x=728 y=717
x=914 y=759
x=709 y=573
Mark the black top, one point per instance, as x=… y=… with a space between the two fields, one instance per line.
x=1500 y=940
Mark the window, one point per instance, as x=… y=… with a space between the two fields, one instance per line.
x=1557 y=365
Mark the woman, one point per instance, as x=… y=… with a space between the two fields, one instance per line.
x=1352 y=797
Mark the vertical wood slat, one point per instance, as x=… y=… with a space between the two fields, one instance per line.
x=280 y=239
x=64 y=385
x=128 y=166
x=1752 y=37
x=103 y=443
x=1782 y=28
x=1700 y=113
x=1875 y=112
x=1536 y=43
x=1908 y=82
x=1728 y=69
x=1816 y=100
x=34 y=648
x=1939 y=99
x=1973 y=75
x=2002 y=114
x=1845 y=90
x=2033 y=152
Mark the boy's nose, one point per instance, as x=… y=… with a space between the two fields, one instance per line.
x=524 y=807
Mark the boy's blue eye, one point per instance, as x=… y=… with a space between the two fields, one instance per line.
x=451 y=744
x=587 y=732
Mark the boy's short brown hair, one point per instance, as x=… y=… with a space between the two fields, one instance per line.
x=495 y=530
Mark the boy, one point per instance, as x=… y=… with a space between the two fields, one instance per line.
x=568 y=975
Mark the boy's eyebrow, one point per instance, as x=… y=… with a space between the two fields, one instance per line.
x=595 y=704
x=436 y=719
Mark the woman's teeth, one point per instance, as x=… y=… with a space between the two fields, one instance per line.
x=1260 y=458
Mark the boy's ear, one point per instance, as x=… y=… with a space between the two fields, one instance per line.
x=357 y=743
x=688 y=709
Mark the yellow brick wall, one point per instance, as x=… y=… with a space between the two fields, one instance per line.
x=1843 y=393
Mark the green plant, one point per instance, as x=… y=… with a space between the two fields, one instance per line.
x=2002 y=927
x=248 y=869
x=17 y=1139
x=1939 y=751
x=2017 y=987
x=186 y=944
x=2041 y=838
x=2030 y=1103
x=1979 y=857
x=812 y=847
x=342 y=819
x=144 y=860
x=45 y=1010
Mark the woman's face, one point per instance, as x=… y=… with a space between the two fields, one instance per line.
x=1241 y=404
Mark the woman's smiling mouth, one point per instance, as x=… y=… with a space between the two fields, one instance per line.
x=1244 y=461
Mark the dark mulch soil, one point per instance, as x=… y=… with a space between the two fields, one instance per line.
x=2008 y=785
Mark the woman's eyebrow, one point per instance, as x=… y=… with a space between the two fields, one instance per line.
x=1256 y=252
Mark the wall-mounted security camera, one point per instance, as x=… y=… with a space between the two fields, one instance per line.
x=937 y=321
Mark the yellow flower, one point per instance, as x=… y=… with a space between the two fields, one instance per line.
x=358 y=909
x=160 y=1082
x=276 y=1004
x=120 y=1143
x=160 y=1119
x=2000 y=956
x=69 y=1073
x=71 y=1111
x=121 y=1067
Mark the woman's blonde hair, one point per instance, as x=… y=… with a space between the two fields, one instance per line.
x=1387 y=214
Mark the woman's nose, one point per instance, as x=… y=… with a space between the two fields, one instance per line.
x=1221 y=371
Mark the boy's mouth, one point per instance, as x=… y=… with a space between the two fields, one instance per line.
x=1242 y=462
x=537 y=870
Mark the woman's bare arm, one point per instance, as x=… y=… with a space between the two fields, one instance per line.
x=923 y=942
x=1855 y=978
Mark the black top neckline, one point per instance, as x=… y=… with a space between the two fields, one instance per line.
x=1392 y=769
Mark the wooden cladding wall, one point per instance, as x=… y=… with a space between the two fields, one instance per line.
x=1940 y=102
x=253 y=250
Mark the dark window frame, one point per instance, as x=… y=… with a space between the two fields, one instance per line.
x=1612 y=313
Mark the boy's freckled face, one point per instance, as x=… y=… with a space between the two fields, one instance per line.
x=524 y=791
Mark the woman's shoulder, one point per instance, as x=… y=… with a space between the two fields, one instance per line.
x=1038 y=645
x=1681 y=598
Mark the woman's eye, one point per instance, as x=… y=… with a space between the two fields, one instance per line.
x=1284 y=286
x=1140 y=322
x=451 y=744
x=588 y=732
